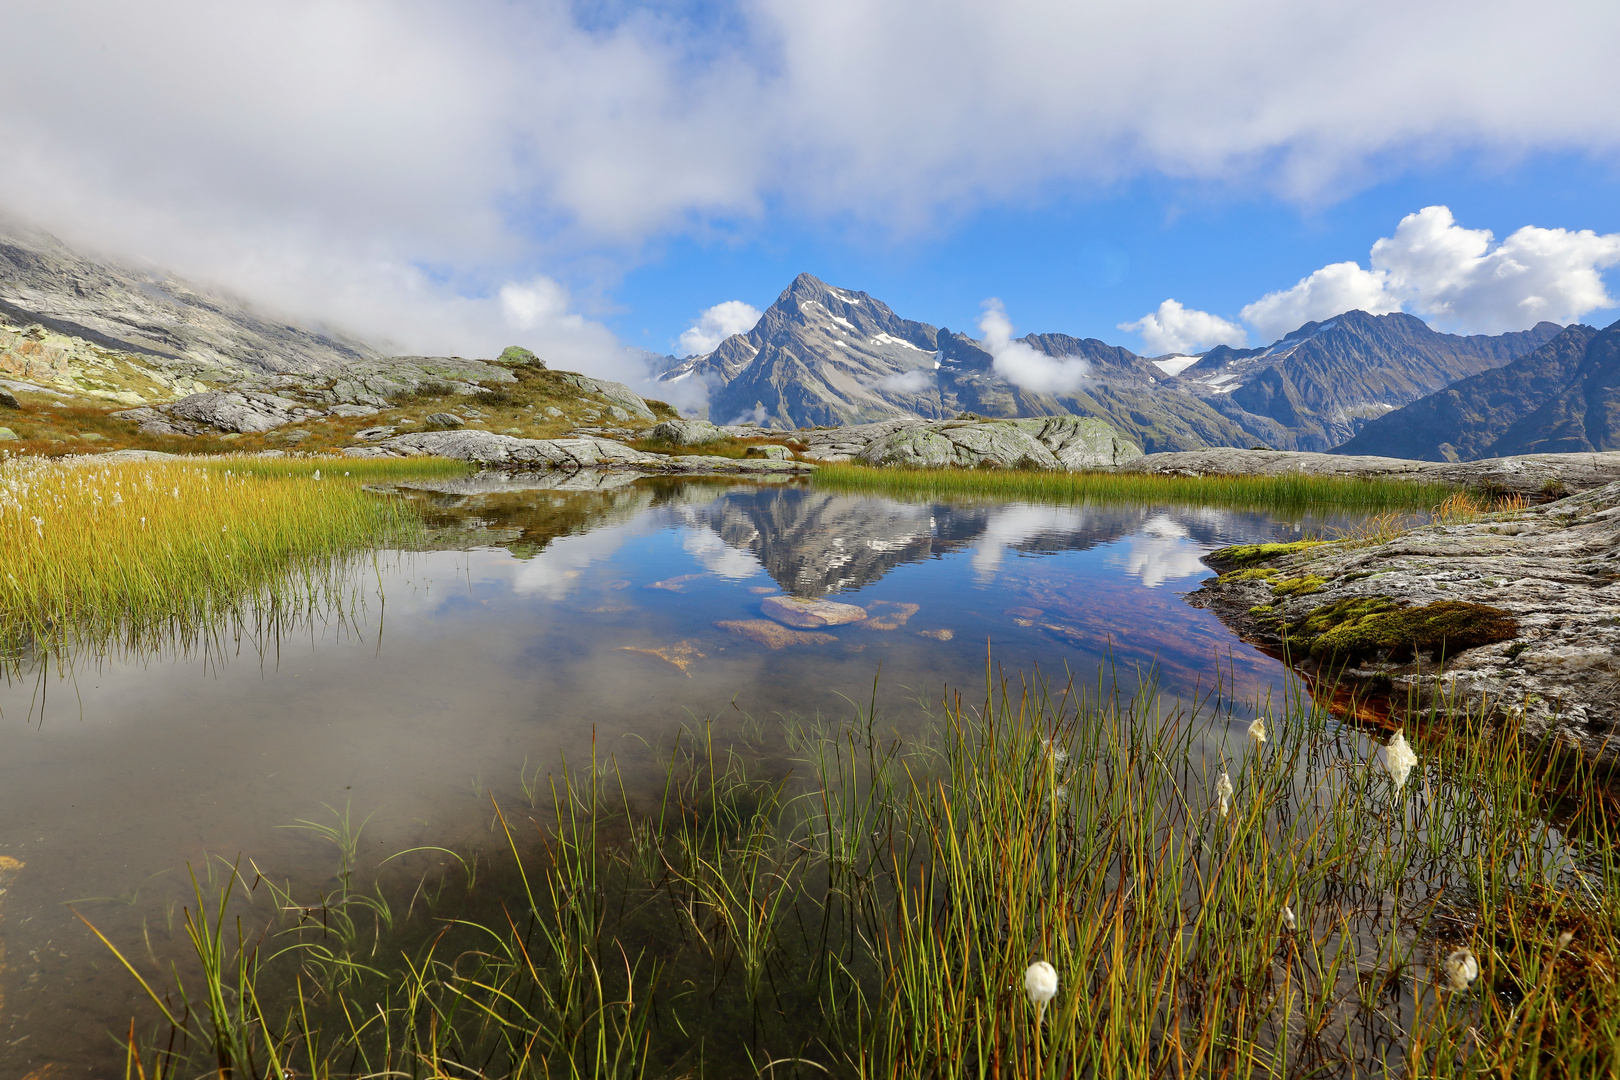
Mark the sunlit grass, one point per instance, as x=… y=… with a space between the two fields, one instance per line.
x=1289 y=492
x=844 y=900
x=94 y=549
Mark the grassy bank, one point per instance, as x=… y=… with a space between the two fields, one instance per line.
x=1283 y=493
x=840 y=900
x=96 y=549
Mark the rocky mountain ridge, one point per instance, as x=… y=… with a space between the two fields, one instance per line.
x=822 y=355
x=147 y=312
x=1563 y=397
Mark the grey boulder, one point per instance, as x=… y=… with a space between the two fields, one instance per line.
x=8 y=400
x=1054 y=443
x=222 y=410
x=687 y=432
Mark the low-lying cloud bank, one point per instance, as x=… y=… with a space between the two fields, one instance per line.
x=1021 y=364
x=1460 y=280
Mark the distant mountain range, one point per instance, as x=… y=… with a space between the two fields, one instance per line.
x=822 y=355
x=1561 y=397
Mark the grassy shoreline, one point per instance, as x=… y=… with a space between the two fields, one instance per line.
x=1291 y=492
x=95 y=550
x=841 y=900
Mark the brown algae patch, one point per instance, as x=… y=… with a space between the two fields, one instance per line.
x=681 y=654
x=889 y=614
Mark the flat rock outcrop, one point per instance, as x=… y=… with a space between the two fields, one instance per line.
x=1530 y=474
x=570 y=455
x=221 y=410
x=1523 y=609
x=1043 y=442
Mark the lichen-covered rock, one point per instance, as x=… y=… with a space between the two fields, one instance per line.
x=963 y=443
x=7 y=435
x=777 y=453
x=1514 y=618
x=687 y=432
x=1043 y=442
x=1081 y=442
x=445 y=420
x=517 y=354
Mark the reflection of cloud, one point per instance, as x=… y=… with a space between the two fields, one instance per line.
x=552 y=572
x=1162 y=551
x=1012 y=525
x=717 y=556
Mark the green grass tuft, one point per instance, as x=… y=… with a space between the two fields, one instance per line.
x=1281 y=493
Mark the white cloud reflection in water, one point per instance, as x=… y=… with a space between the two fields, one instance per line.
x=1162 y=550
x=554 y=572
x=1017 y=524
x=718 y=557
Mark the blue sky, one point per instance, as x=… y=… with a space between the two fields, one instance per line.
x=590 y=179
x=1082 y=263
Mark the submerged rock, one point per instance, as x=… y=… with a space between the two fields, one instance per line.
x=809 y=614
x=773 y=635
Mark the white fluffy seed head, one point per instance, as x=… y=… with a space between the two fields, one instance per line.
x=1288 y=918
x=1040 y=982
x=1461 y=968
x=1398 y=759
x=1257 y=732
x=1223 y=793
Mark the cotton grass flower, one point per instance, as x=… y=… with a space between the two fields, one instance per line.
x=1257 y=732
x=1461 y=968
x=1041 y=984
x=1398 y=759
x=1223 y=793
x=1288 y=919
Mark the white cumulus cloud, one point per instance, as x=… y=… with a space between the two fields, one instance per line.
x=1024 y=366
x=1177 y=329
x=1457 y=278
x=716 y=324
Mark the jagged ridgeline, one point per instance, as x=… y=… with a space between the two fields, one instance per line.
x=823 y=355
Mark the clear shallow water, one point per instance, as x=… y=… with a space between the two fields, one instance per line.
x=543 y=619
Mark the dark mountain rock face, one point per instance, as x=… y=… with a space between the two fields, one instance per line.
x=1563 y=397
x=44 y=281
x=1322 y=383
x=827 y=356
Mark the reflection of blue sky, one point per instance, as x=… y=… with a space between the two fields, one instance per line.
x=1162 y=551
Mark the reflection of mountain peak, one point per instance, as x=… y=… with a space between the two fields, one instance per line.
x=814 y=543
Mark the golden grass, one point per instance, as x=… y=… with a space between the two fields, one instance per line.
x=94 y=547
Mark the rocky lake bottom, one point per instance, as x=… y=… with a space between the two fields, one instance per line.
x=544 y=625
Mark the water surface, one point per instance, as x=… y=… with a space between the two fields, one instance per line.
x=543 y=624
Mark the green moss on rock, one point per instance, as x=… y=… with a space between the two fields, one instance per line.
x=1447 y=626
x=1298 y=586
x=1249 y=554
